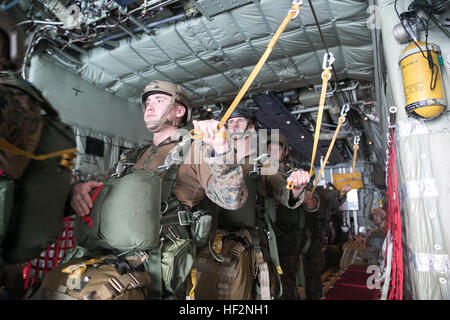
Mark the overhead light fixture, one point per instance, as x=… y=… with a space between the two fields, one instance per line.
x=365 y=118
x=288 y=122
x=370 y=142
x=303 y=137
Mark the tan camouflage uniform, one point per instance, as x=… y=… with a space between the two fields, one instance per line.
x=275 y=186
x=222 y=183
x=316 y=221
x=289 y=239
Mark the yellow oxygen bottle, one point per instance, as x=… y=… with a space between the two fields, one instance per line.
x=424 y=91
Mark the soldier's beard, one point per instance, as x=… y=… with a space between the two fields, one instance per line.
x=236 y=135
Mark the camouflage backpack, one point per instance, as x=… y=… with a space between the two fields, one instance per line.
x=95 y=278
x=32 y=208
x=247 y=265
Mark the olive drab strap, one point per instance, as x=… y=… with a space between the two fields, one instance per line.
x=153 y=267
x=173 y=218
x=269 y=217
x=7 y=187
x=307 y=243
x=261 y=266
x=173 y=160
x=261 y=269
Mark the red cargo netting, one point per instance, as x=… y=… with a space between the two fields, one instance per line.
x=393 y=224
x=35 y=269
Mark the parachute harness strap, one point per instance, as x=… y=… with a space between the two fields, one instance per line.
x=344 y=110
x=292 y=14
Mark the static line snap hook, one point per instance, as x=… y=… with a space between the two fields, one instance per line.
x=296 y=8
x=356 y=140
x=328 y=60
x=345 y=109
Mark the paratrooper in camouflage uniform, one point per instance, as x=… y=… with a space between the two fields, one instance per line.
x=317 y=207
x=290 y=233
x=166 y=110
x=270 y=185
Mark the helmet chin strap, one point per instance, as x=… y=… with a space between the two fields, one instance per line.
x=156 y=125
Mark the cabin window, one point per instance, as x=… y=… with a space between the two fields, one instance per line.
x=94 y=146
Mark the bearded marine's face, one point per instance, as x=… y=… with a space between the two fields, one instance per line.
x=236 y=127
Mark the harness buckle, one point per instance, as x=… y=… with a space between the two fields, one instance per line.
x=180 y=219
x=121 y=166
x=257 y=164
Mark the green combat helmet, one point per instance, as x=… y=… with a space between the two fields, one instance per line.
x=177 y=94
x=242 y=110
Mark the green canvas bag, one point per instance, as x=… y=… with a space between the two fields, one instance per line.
x=125 y=214
x=40 y=196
